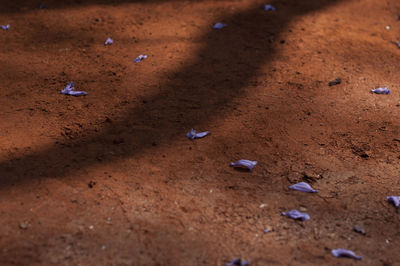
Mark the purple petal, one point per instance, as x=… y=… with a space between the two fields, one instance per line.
x=303 y=187
x=344 y=253
x=395 y=200
x=140 y=58
x=266 y=231
x=335 y=82
x=269 y=8
x=77 y=93
x=238 y=262
x=384 y=90
x=109 y=41
x=69 y=90
x=69 y=87
x=296 y=215
x=219 y=26
x=193 y=135
x=6 y=27
x=244 y=164
x=359 y=229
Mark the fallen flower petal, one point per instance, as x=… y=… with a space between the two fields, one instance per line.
x=244 y=164
x=140 y=58
x=397 y=44
x=335 y=82
x=296 y=215
x=303 y=187
x=69 y=90
x=219 y=26
x=344 y=253
x=238 y=262
x=193 y=135
x=384 y=90
x=6 y=27
x=359 y=229
x=266 y=231
x=395 y=200
x=109 y=41
x=269 y=8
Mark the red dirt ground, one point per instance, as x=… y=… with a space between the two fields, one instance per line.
x=111 y=179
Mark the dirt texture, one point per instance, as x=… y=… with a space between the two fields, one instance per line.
x=111 y=179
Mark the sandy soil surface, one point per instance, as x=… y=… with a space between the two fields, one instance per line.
x=111 y=179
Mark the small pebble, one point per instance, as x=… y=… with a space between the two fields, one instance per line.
x=24 y=225
x=303 y=209
x=91 y=184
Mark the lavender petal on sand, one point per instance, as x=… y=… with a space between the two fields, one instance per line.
x=192 y=134
x=344 y=253
x=6 y=27
x=335 y=82
x=238 y=262
x=140 y=58
x=247 y=164
x=395 y=200
x=397 y=44
x=303 y=187
x=384 y=90
x=219 y=25
x=359 y=229
x=109 y=41
x=70 y=90
x=269 y=8
x=296 y=215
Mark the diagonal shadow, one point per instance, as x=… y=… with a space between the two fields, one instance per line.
x=198 y=92
x=21 y=6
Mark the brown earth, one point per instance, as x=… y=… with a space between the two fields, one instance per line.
x=111 y=179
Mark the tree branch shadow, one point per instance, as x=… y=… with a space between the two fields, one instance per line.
x=197 y=93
